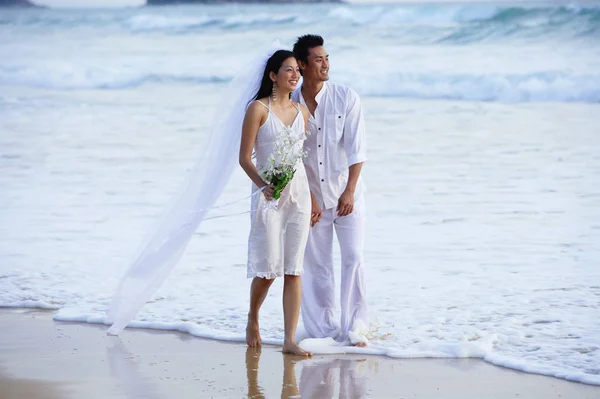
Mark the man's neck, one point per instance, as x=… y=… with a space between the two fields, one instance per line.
x=310 y=89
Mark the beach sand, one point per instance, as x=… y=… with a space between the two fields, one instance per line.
x=42 y=358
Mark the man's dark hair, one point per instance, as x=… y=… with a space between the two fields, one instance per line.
x=304 y=44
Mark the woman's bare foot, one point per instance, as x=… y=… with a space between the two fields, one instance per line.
x=253 y=333
x=361 y=344
x=292 y=348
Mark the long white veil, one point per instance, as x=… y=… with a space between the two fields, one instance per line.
x=157 y=256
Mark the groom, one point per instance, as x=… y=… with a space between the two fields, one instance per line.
x=336 y=151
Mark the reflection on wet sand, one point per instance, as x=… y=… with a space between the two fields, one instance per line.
x=252 y=358
x=320 y=378
x=124 y=369
x=290 y=387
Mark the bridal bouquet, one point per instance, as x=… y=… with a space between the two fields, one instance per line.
x=281 y=164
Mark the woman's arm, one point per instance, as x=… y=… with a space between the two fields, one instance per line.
x=252 y=121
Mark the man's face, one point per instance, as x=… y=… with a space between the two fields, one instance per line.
x=317 y=68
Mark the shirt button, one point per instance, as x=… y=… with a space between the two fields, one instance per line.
x=320 y=163
x=319 y=145
x=319 y=128
x=322 y=179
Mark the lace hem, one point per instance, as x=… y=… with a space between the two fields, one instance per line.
x=272 y=275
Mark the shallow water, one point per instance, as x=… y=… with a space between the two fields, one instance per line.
x=483 y=216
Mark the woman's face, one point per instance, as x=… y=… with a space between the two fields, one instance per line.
x=288 y=75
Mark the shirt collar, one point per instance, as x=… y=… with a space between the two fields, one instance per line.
x=321 y=93
x=318 y=97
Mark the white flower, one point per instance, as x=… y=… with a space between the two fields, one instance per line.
x=286 y=153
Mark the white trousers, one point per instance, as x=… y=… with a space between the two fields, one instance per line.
x=318 y=282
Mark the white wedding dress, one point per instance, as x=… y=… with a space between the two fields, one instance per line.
x=278 y=236
x=162 y=248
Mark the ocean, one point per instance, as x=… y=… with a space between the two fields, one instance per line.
x=483 y=178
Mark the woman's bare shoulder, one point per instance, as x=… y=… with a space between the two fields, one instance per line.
x=258 y=106
x=261 y=102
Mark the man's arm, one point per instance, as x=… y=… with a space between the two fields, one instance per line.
x=346 y=201
x=355 y=143
x=355 y=147
x=316 y=211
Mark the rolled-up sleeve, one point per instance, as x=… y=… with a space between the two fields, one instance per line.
x=354 y=130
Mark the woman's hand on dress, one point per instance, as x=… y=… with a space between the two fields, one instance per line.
x=268 y=191
x=316 y=213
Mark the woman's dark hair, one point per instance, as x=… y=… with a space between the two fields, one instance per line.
x=304 y=44
x=273 y=65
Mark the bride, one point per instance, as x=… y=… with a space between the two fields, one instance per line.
x=274 y=127
x=279 y=227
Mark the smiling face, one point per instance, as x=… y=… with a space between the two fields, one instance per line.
x=288 y=75
x=317 y=67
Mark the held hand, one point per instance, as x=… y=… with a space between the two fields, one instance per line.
x=316 y=212
x=345 y=203
x=268 y=191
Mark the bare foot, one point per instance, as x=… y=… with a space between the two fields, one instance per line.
x=361 y=344
x=293 y=349
x=252 y=333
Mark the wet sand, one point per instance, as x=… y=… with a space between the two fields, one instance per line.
x=42 y=358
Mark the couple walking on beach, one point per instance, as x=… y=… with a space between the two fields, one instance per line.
x=309 y=147
x=324 y=194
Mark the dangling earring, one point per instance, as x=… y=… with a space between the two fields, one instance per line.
x=273 y=92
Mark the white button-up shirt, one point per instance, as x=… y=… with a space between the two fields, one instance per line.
x=336 y=142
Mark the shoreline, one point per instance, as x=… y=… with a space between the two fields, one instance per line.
x=189 y=329
x=68 y=359
x=316 y=347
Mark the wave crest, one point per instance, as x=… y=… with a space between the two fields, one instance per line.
x=532 y=87
x=179 y=24
x=472 y=23
x=96 y=78
x=146 y=23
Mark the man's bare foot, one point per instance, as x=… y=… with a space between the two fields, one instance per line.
x=253 y=333
x=293 y=349
x=361 y=344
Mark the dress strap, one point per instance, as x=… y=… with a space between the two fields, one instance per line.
x=263 y=104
